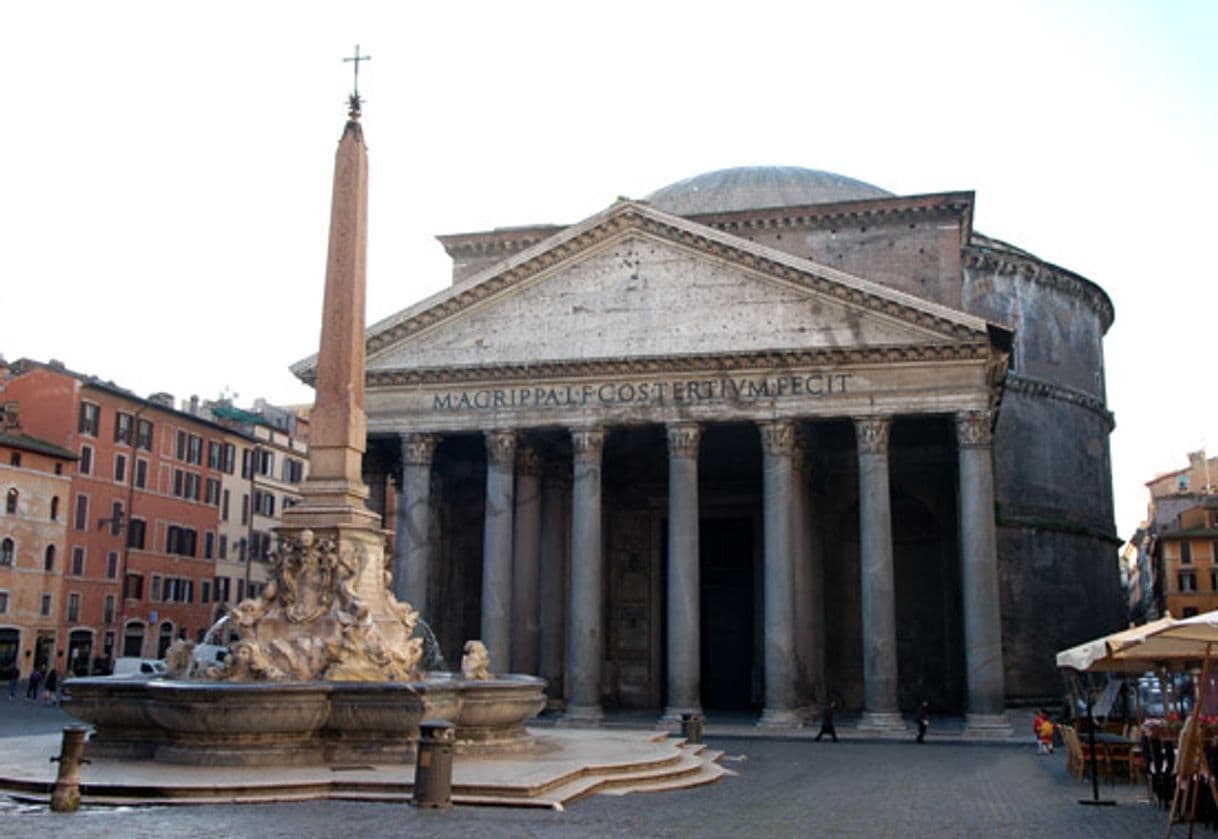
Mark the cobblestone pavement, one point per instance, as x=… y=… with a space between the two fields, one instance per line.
x=784 y=788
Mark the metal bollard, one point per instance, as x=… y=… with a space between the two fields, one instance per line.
x=65 y=796
x=691 y=727
x=433 y=770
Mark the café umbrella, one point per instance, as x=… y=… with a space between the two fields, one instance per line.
x=1162 y=642
x=1118 y=651
x=1122 y=650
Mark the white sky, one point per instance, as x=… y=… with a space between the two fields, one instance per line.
x=166 y=167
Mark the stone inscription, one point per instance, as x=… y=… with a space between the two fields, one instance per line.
x=697 y=390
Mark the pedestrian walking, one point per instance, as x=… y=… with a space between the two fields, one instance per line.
x=923 y=721
x=14 y=674
x=826 y=721
x=31 y=690
x=50 y=686
x=1044 y=736
x=1042 y=716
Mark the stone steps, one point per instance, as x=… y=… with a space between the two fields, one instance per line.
x=565 y=767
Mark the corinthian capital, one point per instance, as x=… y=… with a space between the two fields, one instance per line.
x=777 y=437
x=528 y=461
x=418 y=449
x=501 y=447
x=587 y=444
x=872 y=434
x=683 y=439
x=974 y=429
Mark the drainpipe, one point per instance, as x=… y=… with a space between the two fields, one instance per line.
x=255 y=459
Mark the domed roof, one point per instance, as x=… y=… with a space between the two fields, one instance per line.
x=758 y=187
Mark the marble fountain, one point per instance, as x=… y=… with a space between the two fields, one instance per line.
x=318 y=676
x=326 y=668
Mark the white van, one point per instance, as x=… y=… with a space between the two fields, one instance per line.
x=133 y=667
x=209 y=655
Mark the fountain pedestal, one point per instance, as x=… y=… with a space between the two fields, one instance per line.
x=299 y=723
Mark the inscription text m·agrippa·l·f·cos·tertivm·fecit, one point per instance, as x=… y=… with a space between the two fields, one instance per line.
x=707 y=389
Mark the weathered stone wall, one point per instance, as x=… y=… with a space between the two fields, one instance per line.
x=1051 y=463
x=1053 y=474
x=1058 y=589
x=1058 y=333
x=918 y=257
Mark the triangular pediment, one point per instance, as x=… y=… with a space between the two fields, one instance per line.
x=633 y=283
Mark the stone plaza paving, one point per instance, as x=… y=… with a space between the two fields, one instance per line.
x=782 y=787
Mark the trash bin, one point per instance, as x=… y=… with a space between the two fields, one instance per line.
x=433 y=770
x=691 y=727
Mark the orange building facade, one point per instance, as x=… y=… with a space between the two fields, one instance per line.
x=144 y=503
x=1190 y=559
x=35 y=485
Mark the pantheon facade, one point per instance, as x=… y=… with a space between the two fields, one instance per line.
x=768 y=437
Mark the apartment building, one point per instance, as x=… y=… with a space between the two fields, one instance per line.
x=35 y=615
x=273 y=456
x=1172 y=554
x=142 y=510
x=1189 y=547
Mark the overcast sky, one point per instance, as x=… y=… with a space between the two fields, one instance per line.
x=166 y=167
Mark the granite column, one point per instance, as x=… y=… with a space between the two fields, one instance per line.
x=781 y=671
x=555 y=489
x=979 y=578
x=497 y=548
x=526 y=562
x=413 y=551
x=881 y=710
x=683 y=595
x=584 y=646
x=806 y=605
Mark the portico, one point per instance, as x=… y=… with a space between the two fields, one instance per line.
x=659 y=465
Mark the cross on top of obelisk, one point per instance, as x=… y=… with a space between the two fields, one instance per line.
x=354 y=100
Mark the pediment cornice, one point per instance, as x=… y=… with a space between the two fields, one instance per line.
x=503 y=242
x=495 y=243
x=718 y=363
x=628 y=217
x=874 y=210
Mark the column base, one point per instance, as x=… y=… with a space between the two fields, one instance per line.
x=581 y=716
x=882 y=722
x=780 y=718
x=987 y=727
x=670 y=720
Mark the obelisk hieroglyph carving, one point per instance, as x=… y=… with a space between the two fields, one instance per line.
x=328 y=611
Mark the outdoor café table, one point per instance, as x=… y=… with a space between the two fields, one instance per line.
x=1103 y=740
x=1107 y=739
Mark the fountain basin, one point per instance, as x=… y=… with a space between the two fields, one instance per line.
x=298 y=723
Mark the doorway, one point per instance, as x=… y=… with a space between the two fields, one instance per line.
x=726 y=566
x=44 y=650
x=10 y=645
x=80 y=649
x=133 y=639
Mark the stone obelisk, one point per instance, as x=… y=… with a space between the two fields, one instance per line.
x=333 y=495
x=328 y=611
